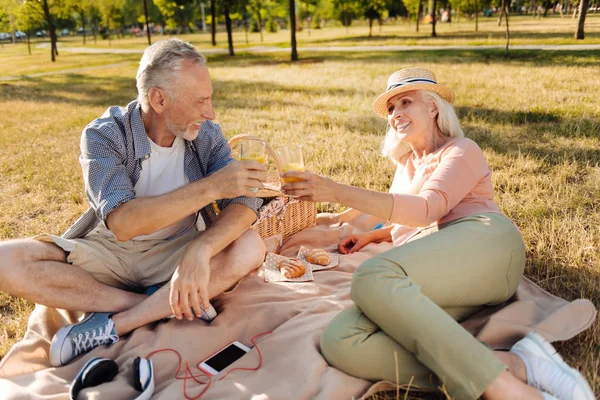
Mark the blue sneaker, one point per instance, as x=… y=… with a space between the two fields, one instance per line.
x=73 y=340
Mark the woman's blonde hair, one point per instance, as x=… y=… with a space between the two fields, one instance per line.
x=447 y=123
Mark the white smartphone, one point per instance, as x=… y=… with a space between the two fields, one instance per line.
x=223 y=358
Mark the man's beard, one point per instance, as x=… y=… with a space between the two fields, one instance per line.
x=179 y=131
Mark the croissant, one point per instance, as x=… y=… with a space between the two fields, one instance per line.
x=317 y=256
x=292 y=268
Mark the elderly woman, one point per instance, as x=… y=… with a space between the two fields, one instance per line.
x=455 y=251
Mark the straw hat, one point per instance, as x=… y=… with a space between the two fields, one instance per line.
x=410 y=79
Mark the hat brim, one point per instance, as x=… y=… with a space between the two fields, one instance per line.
x=380 y=105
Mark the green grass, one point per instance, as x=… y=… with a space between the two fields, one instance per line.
x=535 y=115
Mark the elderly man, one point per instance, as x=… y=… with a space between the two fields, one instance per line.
x=153 y=171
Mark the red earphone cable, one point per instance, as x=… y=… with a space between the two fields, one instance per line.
x=185 y=376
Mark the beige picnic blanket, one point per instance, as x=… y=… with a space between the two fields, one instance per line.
x=296 y=313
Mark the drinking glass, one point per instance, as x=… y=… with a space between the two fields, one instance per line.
x=291 y=160
x=252 y=150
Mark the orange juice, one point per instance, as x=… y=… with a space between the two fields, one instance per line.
x=254 y=157
x=292 y=167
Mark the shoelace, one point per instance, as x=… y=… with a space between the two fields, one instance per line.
x=89 y=341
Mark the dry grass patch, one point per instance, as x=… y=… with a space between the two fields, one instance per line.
x=535 y=116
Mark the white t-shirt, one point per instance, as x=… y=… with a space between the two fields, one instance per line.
x=164 y=172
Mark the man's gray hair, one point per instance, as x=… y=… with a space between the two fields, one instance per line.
x=160 y=66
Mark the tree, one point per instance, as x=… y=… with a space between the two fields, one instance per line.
x=213 y=22
x=583 y=6
x=147 y=22
x=309 y=6
x=5 y=17
x=228 y=27
x=50 y=8
x=345 y=11
x=292 y=7
x=178 y=13
x=256 y=7
x=83 y=9
x=505 y=10
x=372 y=10
x=414 y=7
x=434 y=17
x=111 y=12
x=476 y=15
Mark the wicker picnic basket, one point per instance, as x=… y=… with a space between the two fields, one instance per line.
x=283 y=214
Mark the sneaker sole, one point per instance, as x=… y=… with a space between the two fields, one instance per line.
x=60 y=337
x=552 y=354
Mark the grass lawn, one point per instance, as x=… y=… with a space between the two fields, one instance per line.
x=535 y=115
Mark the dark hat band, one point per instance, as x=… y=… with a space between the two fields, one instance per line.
x=411 y=81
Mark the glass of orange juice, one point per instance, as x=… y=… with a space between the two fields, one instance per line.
x=291 y=160
x=253 y=150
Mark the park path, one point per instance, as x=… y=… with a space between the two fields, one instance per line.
x=273 y=49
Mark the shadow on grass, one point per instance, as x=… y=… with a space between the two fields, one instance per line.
x=71 y=89
x=537 y=58
x=425 y=33
x=539 y=124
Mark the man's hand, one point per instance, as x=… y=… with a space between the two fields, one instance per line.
x=189 y=284
x=239 y=178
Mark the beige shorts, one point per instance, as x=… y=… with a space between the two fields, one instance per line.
x=132 y=265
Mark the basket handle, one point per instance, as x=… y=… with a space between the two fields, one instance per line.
x=269 y=149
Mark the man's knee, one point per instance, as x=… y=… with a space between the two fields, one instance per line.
x=16 y=255
x=252 y=248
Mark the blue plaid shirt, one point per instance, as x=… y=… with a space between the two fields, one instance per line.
x=112 y=150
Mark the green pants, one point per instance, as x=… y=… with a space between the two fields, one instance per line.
x=403 y=327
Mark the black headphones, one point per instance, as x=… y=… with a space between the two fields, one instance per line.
x=101 y=370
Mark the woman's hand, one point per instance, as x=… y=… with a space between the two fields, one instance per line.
x=309 y=186
x=354 y=242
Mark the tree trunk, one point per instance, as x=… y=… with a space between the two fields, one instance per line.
x=213 y=25
x=147 y=22
x=433 y=15
x=458 y=15
x=420 y=10
x=583 y=6
x=260 y=24
x=501 y=14
x=82 y=14
x=346 y=17
x=51 y=29
x=28 y=38
x=370 y=27
x=506 y=7
x=292 y=6
x=449 y=12
x=229 y=33
x=476 y=15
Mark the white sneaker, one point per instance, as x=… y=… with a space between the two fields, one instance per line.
x=547 y=371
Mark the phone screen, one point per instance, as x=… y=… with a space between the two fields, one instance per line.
x=224 y=358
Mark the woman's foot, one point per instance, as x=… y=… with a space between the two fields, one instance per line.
x=547 y=371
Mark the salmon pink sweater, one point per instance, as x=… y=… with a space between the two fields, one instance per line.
x=452 y=182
